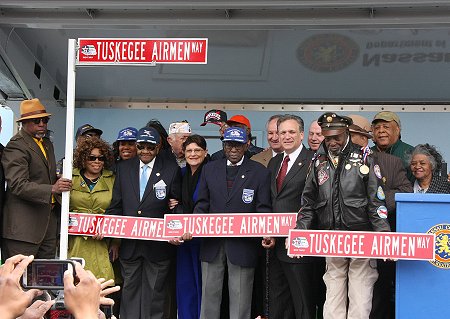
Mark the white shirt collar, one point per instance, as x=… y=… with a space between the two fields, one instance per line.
x=150 y=165
x=237 y=164
x=293 y=156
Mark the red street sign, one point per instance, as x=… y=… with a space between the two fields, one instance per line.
x=229 y=225
x=142 y=51
x=116 y=226
x=355 y=244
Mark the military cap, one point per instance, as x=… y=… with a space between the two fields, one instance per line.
x=333 y=124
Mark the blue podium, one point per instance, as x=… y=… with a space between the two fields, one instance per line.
x=422 y=288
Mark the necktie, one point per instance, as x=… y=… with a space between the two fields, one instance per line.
x=282 y=172
x=143 y=181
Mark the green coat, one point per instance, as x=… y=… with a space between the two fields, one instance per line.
x=82 y=200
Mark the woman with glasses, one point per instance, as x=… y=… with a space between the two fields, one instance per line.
x=189 y=276
x=425 y=164
x=91 y=193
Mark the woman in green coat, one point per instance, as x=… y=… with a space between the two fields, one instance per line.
x=91 y=193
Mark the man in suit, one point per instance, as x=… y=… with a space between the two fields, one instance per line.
x=143 y=187
x=274 y=142
x=393 y=178
x=291 y=285
x=315 y=136
x=29 y=217
x=234 y=184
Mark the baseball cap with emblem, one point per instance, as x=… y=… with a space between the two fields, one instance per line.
x=241 y=119
x=127 y=134
x=180 y=127
x=360 y=125
x=235 y=134
x=333 y=124
x=214 y=117
x=32 y=109
x=83 y=129
x=148 y=135
x=387 y=116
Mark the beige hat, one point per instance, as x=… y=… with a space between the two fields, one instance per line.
x=387 y=116
x=180 y=127
x=360 y=125
x=32 y=109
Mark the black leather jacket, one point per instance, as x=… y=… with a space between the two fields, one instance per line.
x=348 y=197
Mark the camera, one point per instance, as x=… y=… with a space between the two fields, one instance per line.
x=46 y=274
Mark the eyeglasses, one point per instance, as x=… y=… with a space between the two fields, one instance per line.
x=93 y=158
x=194 y=151
x=236 y=145
x=38 y=120
x=149 y=147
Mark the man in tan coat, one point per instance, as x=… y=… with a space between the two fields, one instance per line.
x=29 y=218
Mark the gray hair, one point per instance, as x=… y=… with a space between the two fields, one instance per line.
x=429 y=151
x=298 y=119
x=273 y=117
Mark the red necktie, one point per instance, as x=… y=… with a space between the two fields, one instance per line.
x=282 y=172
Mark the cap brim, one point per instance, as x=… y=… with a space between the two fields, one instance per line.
x=366 y=134
x=333 y=132
x=35 y=116
x=142 y=141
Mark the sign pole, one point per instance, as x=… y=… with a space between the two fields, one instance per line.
x=67 y=167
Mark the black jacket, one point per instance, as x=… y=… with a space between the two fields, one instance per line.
x=348 y=197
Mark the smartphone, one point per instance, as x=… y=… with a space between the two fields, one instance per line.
x=46 y=274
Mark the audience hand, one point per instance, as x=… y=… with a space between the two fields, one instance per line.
x=82 y=300
x=107 y=289
x=13 y=300
x=37 y=310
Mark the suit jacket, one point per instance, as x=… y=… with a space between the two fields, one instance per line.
x=213 y=197
x=29 y=176
x=125 y=201
x=264 y=157
x=288 y=199
x=393 y=177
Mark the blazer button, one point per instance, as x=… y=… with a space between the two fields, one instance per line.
x=139 y=212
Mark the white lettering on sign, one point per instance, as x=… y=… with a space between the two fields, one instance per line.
x=261 y=224
x=147 y=228
x=209 y=224
x=336 y=244
x=121 y=51
x=102 y=225
x=398 y=245
x=175 y=51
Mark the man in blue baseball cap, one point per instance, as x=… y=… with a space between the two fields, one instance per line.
x=143 y=186
x=234 y=184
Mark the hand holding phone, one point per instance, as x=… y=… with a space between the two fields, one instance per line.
x=13 y=300
x=82 y=300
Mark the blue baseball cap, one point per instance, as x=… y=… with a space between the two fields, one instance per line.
x=127 y=134
x=235 y=134
x=148 y=135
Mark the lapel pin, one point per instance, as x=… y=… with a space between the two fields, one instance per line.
x=157 y=174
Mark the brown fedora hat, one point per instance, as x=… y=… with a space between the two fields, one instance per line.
x=32 y=109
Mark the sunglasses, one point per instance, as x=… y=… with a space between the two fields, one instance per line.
x=92 y=158
x=43 y=119
x=149 y=147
